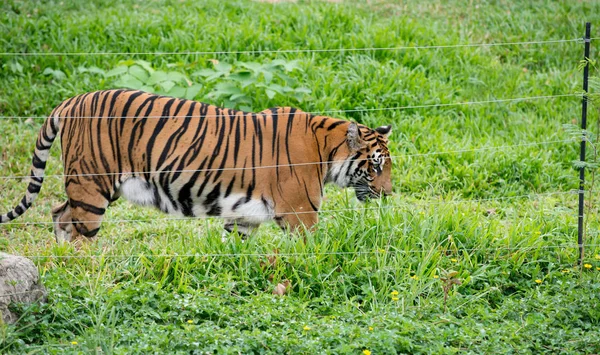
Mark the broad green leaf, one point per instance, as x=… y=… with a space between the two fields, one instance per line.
x=15 y=67
x=254 y=67
x=129 y=81
x=157 y=77
x=277 y=88
x=237 y=97
x=193 y=91
x=147 y=88
x=268 y=76
x=270 y=93
x=177 y=91
x=138 y=72
x=127 y=62
x=204 y=72
x=146 y=65
x=223 y=67
x=176 y=76
x=166 y=85
x=227 y=89
x=240 y=76
x=121 y=69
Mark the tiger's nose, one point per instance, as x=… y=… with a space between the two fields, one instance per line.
x=386 y=190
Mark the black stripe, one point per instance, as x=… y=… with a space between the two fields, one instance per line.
x=25 y=203
x=230 y=187
x=34 y=189
x=86 y=207
x=335 y=124
x=37 y=162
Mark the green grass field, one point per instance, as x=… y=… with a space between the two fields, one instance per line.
x=474 y=253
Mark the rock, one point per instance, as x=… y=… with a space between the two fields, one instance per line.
x=19 y=282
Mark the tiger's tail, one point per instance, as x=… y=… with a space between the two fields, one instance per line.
x=46 y=137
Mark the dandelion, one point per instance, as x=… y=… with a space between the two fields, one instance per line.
x=454 y=260
x=73 y=343
x=414 y=277
x=597 y=256
x=538 y=281
x=366 y=352
x=587 y=266
x=436 y=276
x=565 y=271
x=371 y=328
x=395 y=298
x=190 y=321
x=394 y=293
x=306 y=328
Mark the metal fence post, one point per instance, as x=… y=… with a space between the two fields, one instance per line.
x=583 y=141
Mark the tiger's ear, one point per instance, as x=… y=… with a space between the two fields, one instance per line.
x=353 y=137
x=384 y=130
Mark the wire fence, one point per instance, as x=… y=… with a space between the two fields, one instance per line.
x=294 y=213
x=397 y=108
x=296 y=51
x=277 y=166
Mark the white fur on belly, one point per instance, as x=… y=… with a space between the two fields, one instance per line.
x=137 y=191
x=253 y=211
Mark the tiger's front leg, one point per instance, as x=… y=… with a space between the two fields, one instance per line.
x=243 y=228
x=63 y=226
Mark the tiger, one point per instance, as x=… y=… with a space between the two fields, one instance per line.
x=193 y=159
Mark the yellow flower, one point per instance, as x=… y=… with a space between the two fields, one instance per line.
x=538 y=281
x=190 y=321
x=597 y=256
x=366 y=352
x=454 y=260
x=394 y=293
x=587 y=266
x=395 y=298
x=414 y=277
x=371 y=328
x=306 y=328
x=436 y=276
x=566 y=270
x=597 y=268
x=74 y=343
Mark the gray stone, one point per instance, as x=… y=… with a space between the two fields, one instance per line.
x=19 y=282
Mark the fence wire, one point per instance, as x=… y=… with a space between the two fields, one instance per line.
x=288 y=51
x=398 y=108
x=326 y=211
x=277 y=166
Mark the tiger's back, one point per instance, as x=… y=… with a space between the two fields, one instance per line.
x=190 y=159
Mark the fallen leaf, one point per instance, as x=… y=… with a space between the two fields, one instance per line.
x=282 y=288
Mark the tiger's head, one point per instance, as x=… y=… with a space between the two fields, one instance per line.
x=368 y=166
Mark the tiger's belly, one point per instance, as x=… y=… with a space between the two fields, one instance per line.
x=235 y=206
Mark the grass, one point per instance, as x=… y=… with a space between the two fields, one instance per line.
x=481 y=191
